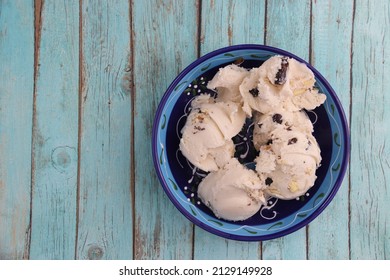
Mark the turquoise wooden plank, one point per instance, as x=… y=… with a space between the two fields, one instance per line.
x=370 y=168
x=165 y=42
x=328 y=235
x=55 y=133
x=16 y=107
x=231 y=22
x=288 y=27
x=211 y=247
x=226 y=23
x=105 y=225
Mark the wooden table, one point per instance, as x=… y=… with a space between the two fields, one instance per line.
x=79 y=85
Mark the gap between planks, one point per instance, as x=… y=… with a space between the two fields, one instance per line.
x=80 y=93
x=38 y=7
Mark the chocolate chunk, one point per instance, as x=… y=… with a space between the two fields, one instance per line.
x=260 y=125
x=292 y=141
x=269 y=142
x=254 y=92
x=280 y=77
x=198 y=128
x=268 y=181
x=308 y=145
x=277 y=118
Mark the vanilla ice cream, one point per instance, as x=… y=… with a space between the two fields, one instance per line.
x=280 y=82
x=228 y=116
x=275 y=96
x=206 y=137
x=264 y=124
x=227 y=81
x=287 y=164
x=233 y=192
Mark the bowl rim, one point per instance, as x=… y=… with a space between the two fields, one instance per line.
x=344 y=129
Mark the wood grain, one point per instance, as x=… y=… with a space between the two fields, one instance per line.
x=80 y=82
x=231 y=22
x=225 y=23
x=370 y=167
x=328 y=235
x=16 y=108
x=288 y=28
x=105 y=226
x=165 y=41
x=55 y=133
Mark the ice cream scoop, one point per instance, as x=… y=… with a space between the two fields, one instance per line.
x=264 y=124
x=287 y=164
x=206 y=136
x=233 y=192
x=280 y=82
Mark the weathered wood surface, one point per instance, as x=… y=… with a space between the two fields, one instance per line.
x=80 y=82
x=55 y=131
x=370 y=130
x=105 y=201
x=331 y=32
x=16 y=108
x=165 y=41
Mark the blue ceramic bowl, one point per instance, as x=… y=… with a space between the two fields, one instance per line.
x=180 y=179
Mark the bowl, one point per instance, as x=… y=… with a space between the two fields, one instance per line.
x=180 y=179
